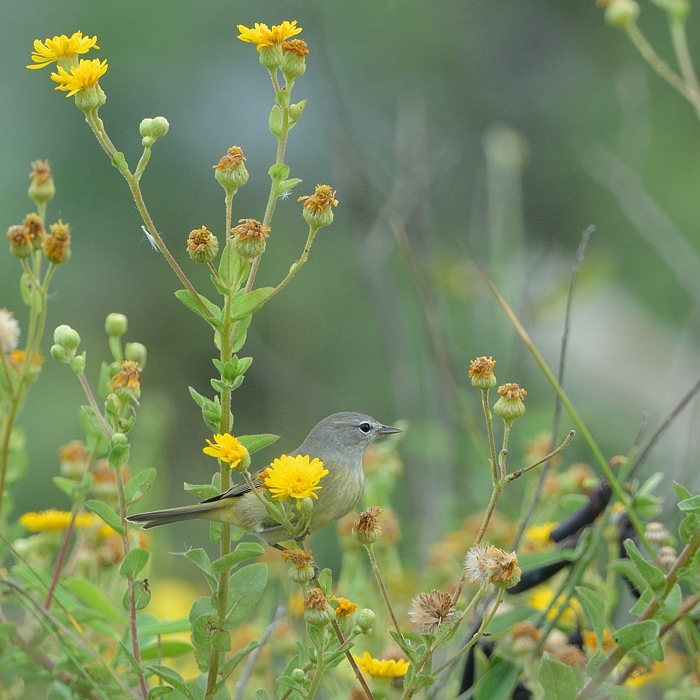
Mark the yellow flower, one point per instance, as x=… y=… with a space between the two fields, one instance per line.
x=81 y=77
x=261 y=35
x=61 y=48
x=537 y=536
x=51 y=520
x=382 y=668
x=541 y=599
x=227 y=449
x=294 y=477
x=344 y=608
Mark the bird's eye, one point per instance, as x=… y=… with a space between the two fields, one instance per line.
x=365 y=427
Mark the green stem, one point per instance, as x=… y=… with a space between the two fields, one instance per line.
x=98 y=129
x=489 y=430
x=382 y=588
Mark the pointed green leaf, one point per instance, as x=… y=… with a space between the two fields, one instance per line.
x=140 y=482
x=682 y=492
x=690 y=505
x=133 y=562
x=172 y=677
x=254 y=443
x=214 y=315
x=557 y=679
x=86 y=591
x=325 y=580
x=594 y=606
x=245 y=550
x=244 y=305
x=201 y=560
x=202 y=490
x=106 y=513
x=246 y=587
x=652 y=574
x=643 y=635
x=165 y=649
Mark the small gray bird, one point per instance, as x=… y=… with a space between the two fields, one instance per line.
x=339 y=441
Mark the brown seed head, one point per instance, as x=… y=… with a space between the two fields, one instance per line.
x=430 y=610
x=367 y=529
x=297 y=46
x=41 y=171
x=323 y=197
x=57 y=243
x=250 y=228
x=299 y=558
x=486 y=564
x=512 y=391
x=234 y=157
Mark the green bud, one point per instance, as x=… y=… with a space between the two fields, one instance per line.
x=299 y=675
x=230 y=172
x=116 y=325
x=364 y=621
x=119 y=439
x=294 y=61
x=306 y=506
x=510 y=406
x=58 y=353
x=202 y=245
x=621 y=13
x=152 y=129
x=77 y=363
x=318 y=207
x=42 y=187
x=301 y=575
x=317 y=610
x=66 y=337
x=136 y=352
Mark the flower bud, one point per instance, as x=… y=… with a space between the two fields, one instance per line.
x=230 y=172
x=21 y=245
x=364 y=621
x=116 y=325
x=656 y=533
x=202 y=245
x=58 y=352
x=510 y=406
x=621 y=13
x=306 y=505
x=248 y=238
x=42 y=187
x=152 y=129
x=57 y=243
x=317 y=207
x=667 y=557
x=66 y=337
x=481 y=373
x=136 y=352
x=296 y=110
x=301 y=569
x=299 y=675
x=294 y=59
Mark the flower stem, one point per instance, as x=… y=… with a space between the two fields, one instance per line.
x=382 y=588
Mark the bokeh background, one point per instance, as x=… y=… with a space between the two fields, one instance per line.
x=508 y=128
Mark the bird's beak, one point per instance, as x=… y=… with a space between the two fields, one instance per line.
x=388 y=430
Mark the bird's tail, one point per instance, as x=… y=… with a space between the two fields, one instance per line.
x=173 y=515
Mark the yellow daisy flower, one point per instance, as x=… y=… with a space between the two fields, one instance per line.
x=294 y=477
x=226 y=448
x=261 y=35
x=81 y=77
x=382 y=668
x=541 y=599
x=51 y=520
x=61 y=48
x=537 y=536
x=345 y=607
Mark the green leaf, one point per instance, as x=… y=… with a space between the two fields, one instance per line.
x=245 y=550
x=254 y=443
x=86 y=591
x=172 y=677
x=231 y=665
x=282 y=98
x=165 y=650
x=652 y=574
x=643 y=636
x=688 y=527
x=140 y=482
x=202 y=490
x=201 y=560
x=498 y=682
x=325 y=580
x=557 y=679
x=245 y=589
x=239 y=336
x=275 y=120
x=504 y=622
x=278 y=171
x=107 y=514
x=221 y=641
x=630 y=571
x=671 y=605
x=260 y=694
x=534 y=560
x=133 y=562
x=152 y=627
x=682 y=493
x=214 y=315
x=142 y=595
x=159 y=691
x=287 y=185
x=119 y=162
x=594 y=606
x=690 y=505
x=69 y=487
x=243 y=305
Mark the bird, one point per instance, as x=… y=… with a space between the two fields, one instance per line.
x=339 y=441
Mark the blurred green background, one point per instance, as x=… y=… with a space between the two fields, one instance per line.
x=505 y=127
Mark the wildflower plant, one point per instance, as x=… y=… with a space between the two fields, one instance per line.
x=75 y=620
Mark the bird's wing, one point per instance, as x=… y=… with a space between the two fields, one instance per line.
x=236 y=490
